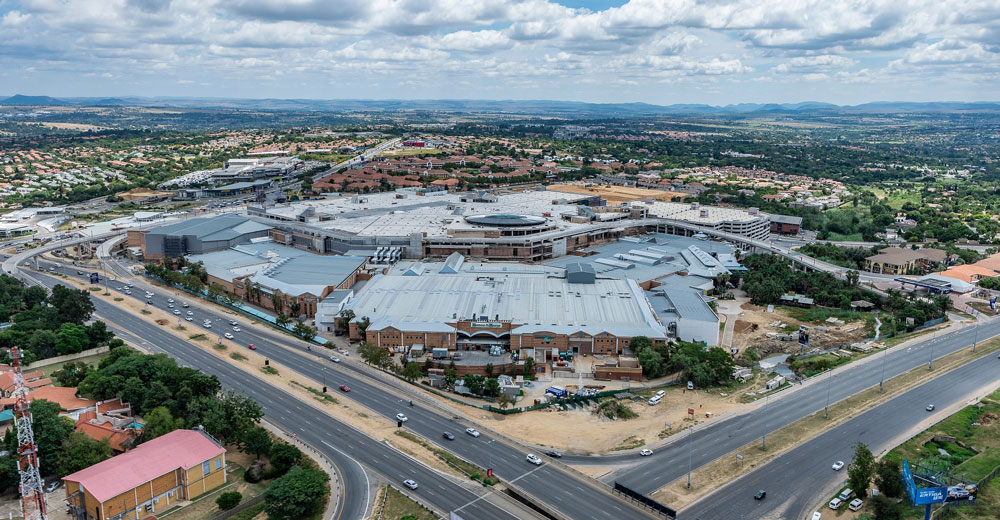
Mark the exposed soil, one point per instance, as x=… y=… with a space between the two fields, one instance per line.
x=779 y=322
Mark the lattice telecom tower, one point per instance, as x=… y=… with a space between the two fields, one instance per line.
x=32 y=494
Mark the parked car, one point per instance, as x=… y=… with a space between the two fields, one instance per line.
x=645 y=452
x=554 y=454
x=760 y=495
x=54 y=485
x=410 y=483
x=836 y=503
x=856 y=504
x=448 y=436
x=837 y=466
x=845 y=494
x=251 y=347
x=532 y=458
x=472 y=432
x=817 y=516
x=344 y=388
x=401 y=417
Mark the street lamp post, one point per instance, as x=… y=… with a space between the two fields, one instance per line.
x=489 y=469
x=976 y=339
x=763 y=439
x=690 y=432
x=826 y=409
x=885 y=353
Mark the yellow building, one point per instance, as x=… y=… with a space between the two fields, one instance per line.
x=177 y=466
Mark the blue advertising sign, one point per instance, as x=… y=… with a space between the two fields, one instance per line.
x=934 y=495
x=908 y=482
x=993 y=303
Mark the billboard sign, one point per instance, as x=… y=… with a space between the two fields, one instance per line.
x=934 y=495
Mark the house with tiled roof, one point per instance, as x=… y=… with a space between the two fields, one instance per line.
x=151 y=478
x=120 y=432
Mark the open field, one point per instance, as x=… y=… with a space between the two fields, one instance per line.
x=618 y=194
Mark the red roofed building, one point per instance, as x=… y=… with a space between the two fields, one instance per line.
x=180 y=465
x=102 y=427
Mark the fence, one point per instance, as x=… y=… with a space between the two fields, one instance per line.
x=67 y=357
x=246 y=504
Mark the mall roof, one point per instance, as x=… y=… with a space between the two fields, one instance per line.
x=308 y=273
x=223 y=227
x=680 y=296
x=698 y=214
x=532 y=299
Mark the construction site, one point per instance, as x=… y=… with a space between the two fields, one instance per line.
x=618 y=194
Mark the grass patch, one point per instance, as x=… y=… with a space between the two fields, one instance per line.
x=220 y=347
x=94 y=289
x=362 y=415
x=250 y=512
x=237 y=356
x=145 y=312
x=820 y=314
x=471 y=470
x=317 y=394
x=198 y=337
x=267 y=369
x=630 y=443
x=180 y=327
x=398 y=505
x=119 y=299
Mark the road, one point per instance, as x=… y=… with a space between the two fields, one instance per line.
x=350 y=449
x=724 y=436
x=796 y=480
x=567 y=493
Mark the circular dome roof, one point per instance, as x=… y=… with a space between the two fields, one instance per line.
x=504 y=220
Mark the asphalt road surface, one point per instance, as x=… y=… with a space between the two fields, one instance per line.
x=346 y=447
x=728 y=434
x=797 y=480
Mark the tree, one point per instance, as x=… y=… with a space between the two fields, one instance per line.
x=373 y=355
x=278 y=303
x=474 y=382
x=71 y=339
x=346 y=315
x=255 y=441
x=229 y=500
x=861 y=469
x=80 y=451
x=304 y=331
x=640 y=343
x=33 y=295
x=72 y=305
x=529 y=366
x=159 y=421
x=71 y=373
x=296 y=494
x=215 y=291
x=282 y=320
x=50 y=431
x=489 y=370
x=887 y=478
x=294 y=307
x=853 y=277
x=411 y=372
x=492 y=387
x=363 y=325
x=885 y=508
x=504 y=400
x=283 y=456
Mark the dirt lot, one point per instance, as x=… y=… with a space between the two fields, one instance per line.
x=580 y=431
x=745 y=335
x=618 y=194
x=141 y=193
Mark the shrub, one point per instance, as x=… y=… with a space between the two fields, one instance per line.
x=229 y=500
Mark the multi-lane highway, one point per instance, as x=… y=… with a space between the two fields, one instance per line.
x=562 y=491
x=796 y=479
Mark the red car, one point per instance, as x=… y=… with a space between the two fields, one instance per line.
x=251 y=347
x=345 y=388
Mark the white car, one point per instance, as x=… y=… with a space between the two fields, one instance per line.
x=401 y=417
x=177 y=312
x=189 y=318
x=189 y=313
x=228 y=335
x=170 y=305
x=646 y=452
x=661 y=393
x=532 y=458
x=233 y=322
x=472 y=431
x=855 y=504
x=837 y=466
x=208 y=325
x=170 y=300
x=335 y=359
x=236 y=329
x=410 y=483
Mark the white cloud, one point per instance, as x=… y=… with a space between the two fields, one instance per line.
x=12 y=18
x=808 y=64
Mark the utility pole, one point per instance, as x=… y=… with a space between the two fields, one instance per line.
x=976 y=340
x=885 y=353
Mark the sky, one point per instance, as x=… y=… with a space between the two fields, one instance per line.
x=655 y=51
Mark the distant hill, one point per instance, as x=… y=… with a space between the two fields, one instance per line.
x=528 y=107
x=19 y=99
